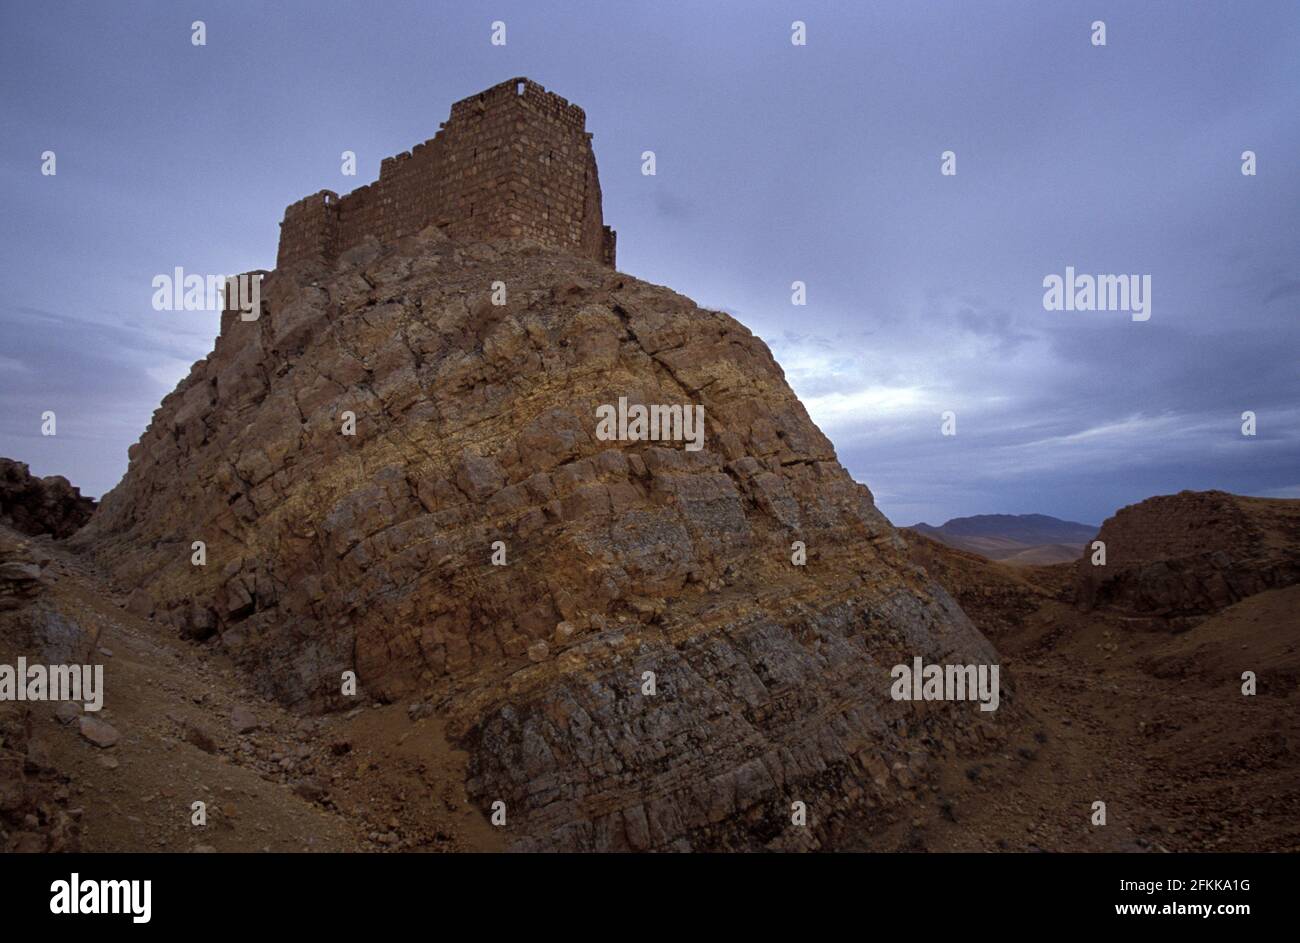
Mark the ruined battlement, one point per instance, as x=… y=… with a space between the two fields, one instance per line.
x=512 y=162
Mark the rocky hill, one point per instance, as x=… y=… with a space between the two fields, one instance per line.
x=1108 y=705
x=1192 y=553
x=625 y=562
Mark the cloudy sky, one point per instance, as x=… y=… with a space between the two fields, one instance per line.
x=775 y=163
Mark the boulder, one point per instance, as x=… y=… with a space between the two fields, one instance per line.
x=34 y=506
x=99 y=732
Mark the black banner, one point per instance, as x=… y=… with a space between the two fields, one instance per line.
x=1219 y=893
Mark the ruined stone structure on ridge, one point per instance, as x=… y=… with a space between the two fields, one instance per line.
x=512 y=162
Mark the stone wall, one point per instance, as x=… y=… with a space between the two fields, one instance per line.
x=514 y=161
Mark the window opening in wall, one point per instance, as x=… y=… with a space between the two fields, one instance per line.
x=519 y=88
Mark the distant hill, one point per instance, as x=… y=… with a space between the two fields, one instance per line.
x=1020 y=539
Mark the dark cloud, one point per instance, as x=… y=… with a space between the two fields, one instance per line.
x=1284 y=290
x=775 y=164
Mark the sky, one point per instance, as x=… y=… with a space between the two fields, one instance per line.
x=775 y=163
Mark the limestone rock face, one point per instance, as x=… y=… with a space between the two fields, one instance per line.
x=615 y=630
x=35 y=506
x=1192 y=553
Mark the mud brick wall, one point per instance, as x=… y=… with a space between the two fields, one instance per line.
x=512 y=162
x=231 y=312
x=309 y=230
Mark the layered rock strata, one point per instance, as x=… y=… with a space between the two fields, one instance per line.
x=624 y=562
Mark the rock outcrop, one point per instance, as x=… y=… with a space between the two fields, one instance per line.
x=624 y=562
x=35 y=506
x=1192 y=554
x=34 y=813
x=34 y=795
x=21 y=571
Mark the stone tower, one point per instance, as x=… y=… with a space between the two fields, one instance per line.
x=514 y=161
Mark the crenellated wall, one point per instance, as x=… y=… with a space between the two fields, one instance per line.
x=514 y=161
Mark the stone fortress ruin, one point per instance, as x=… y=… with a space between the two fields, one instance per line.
x=511 y=162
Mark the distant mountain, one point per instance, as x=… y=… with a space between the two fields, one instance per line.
x=1022 y=539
